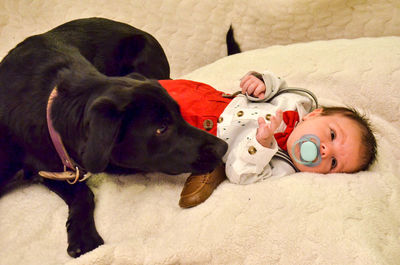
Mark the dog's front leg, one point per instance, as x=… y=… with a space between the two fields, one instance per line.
x=81 y=229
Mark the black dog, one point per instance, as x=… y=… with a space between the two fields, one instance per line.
x=110 y=116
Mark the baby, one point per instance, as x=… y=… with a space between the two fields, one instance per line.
x=274 y=138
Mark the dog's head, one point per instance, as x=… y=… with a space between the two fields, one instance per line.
x=137 y=125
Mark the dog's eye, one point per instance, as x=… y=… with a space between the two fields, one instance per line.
x=162 y=129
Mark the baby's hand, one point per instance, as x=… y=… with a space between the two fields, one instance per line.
x=252 y=86
x=265 y=131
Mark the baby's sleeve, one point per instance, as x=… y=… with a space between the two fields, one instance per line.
x=248 y=161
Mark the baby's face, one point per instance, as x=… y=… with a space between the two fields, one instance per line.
x=340 y=145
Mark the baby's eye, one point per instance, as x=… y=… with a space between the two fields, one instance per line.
x=334 y=163
x=333 y=135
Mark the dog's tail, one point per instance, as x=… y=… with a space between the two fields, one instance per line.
x=231 y=44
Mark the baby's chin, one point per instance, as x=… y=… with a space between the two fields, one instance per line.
x=304 y=168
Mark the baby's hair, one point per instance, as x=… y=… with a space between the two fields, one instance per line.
x=367 y=136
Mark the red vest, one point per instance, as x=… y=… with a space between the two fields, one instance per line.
x=201 y=105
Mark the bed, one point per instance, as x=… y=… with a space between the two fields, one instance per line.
x=346 y=52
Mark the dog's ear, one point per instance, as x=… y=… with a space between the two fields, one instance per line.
x=104 y=119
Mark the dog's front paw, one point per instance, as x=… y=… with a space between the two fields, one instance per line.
x=82 y=238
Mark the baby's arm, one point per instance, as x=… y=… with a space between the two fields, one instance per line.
x=248 y=160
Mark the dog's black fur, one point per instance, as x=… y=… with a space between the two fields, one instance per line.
x=111 y=116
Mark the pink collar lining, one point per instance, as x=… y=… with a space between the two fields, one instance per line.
x=55 y=136
x=67 y=161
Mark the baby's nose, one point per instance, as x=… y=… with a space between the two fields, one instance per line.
x=325 y=150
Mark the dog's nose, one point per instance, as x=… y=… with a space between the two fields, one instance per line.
x=216 y=149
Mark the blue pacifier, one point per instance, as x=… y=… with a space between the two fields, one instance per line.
x=309 y=146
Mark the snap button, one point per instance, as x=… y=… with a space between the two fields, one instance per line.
x=240 y=113
x=208 y=124
x=268 y=117
x=220 y=119
x=252 y=150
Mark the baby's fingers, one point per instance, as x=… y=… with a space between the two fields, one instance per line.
x=245 y=81
x=261 y=122
x=276 y=120
x=252 y=85
x=260 y=90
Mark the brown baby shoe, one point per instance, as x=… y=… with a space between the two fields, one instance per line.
x=198 y=188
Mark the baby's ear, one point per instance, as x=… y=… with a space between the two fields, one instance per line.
x=314 y=113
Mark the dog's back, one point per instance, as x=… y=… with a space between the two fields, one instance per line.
x=115 y=48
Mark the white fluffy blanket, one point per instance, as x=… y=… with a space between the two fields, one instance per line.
x=299 y=219
x=193 y=32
